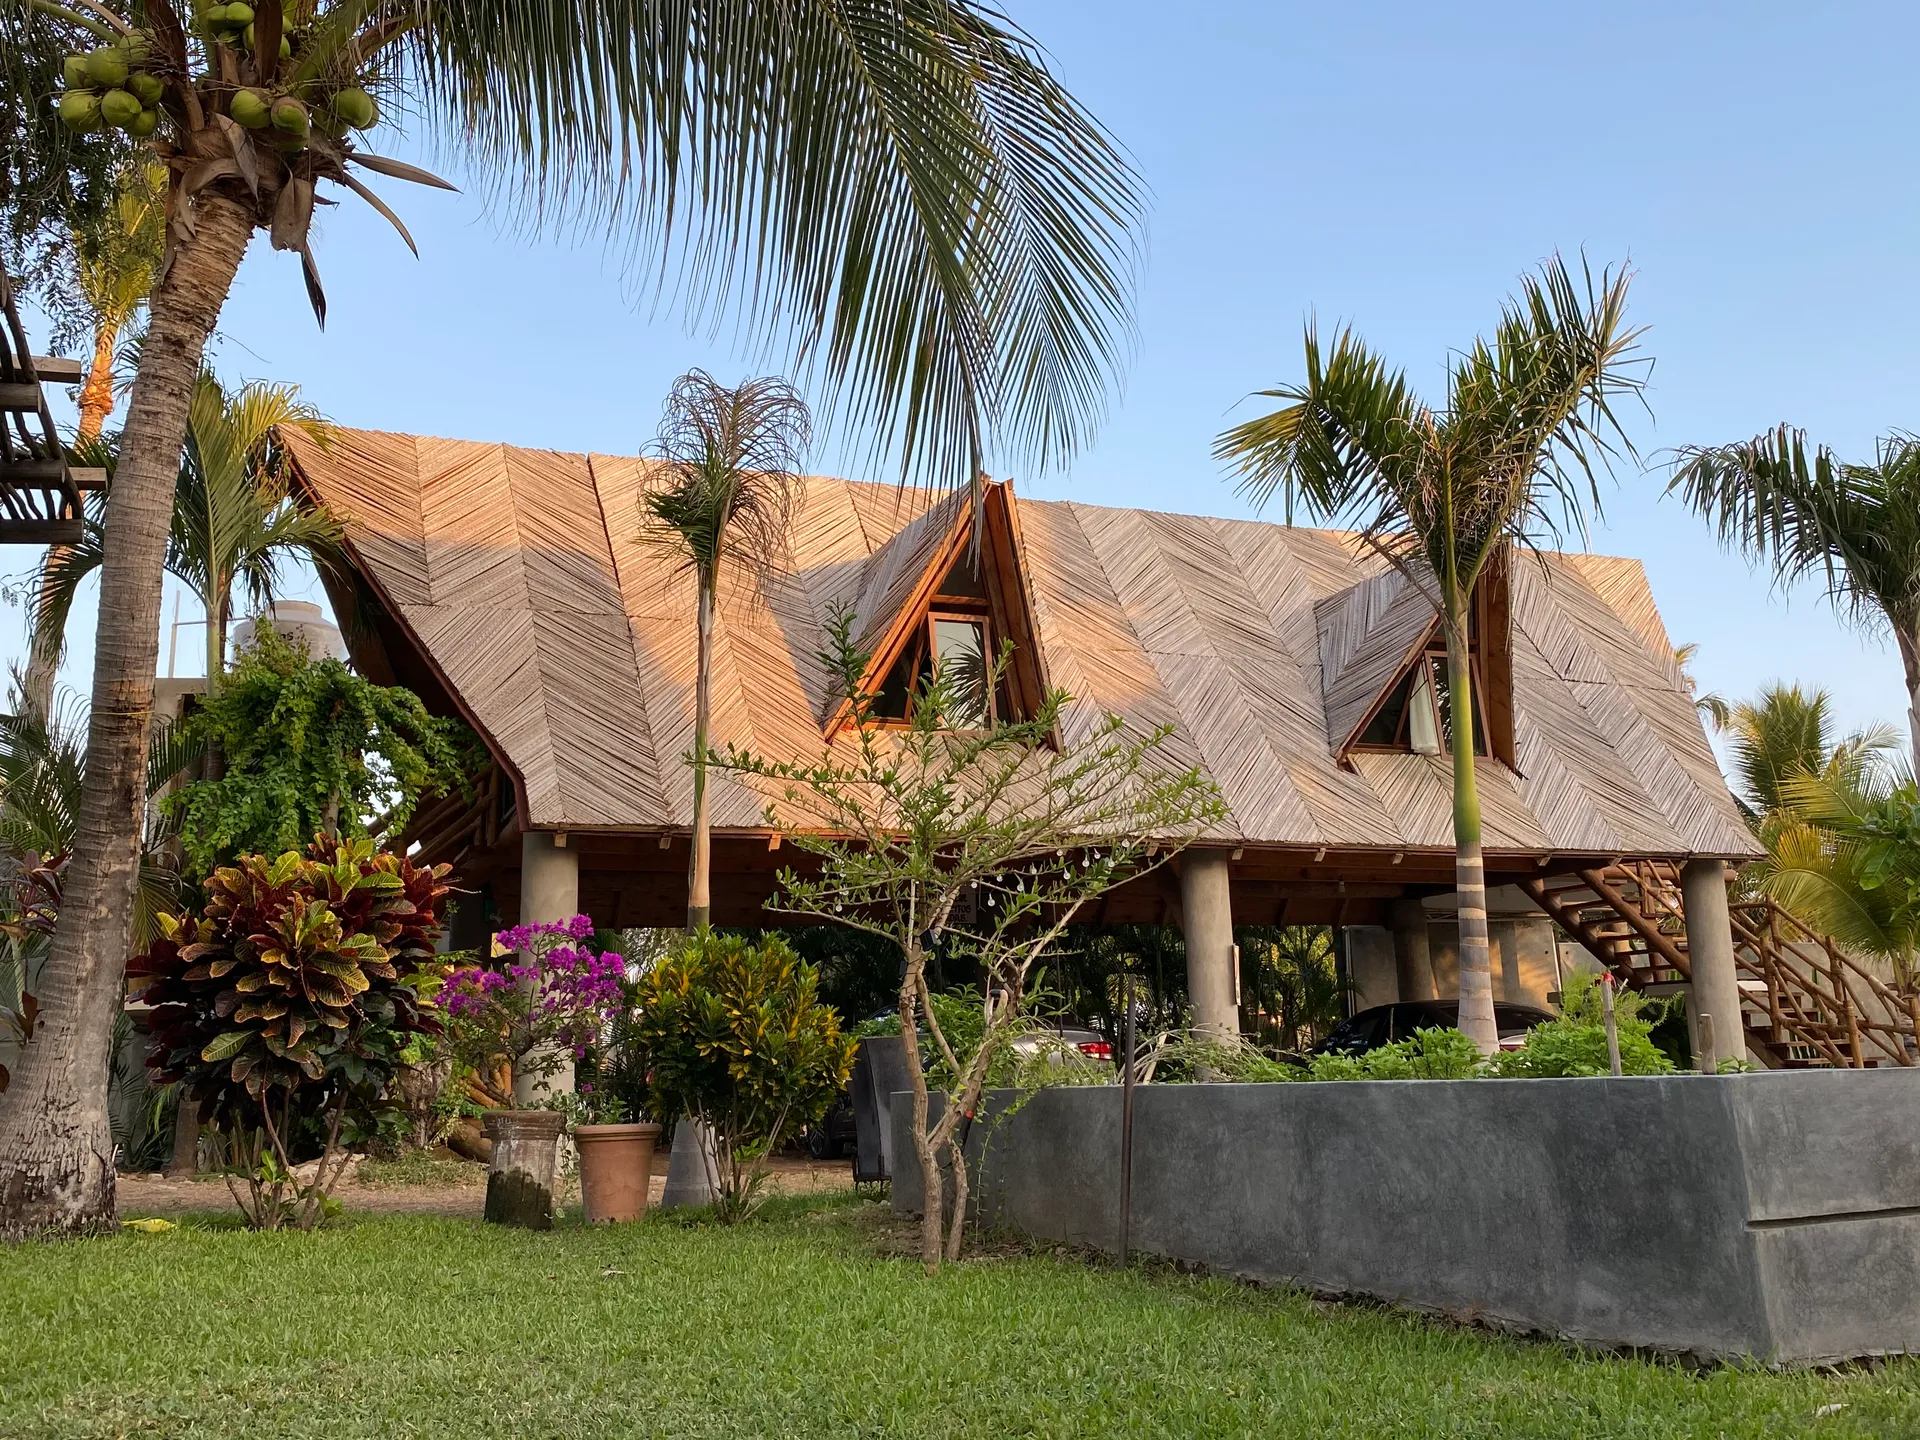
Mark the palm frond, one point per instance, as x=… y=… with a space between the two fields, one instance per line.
x=1528 y=418
x=900 y=185
x=725 y=483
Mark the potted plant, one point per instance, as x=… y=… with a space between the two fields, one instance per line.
x=616 y=1157
x=529 y=1018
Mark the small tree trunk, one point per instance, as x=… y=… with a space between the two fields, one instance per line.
x=699 y=897
x=186 y=1139
x=931 y=1197
x=56 y=1154
x=96 y=396
x=1469 y=869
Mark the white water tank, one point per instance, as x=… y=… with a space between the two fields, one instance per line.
x=300 y=622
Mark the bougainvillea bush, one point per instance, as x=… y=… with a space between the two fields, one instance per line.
x=290 y=998
x=733 y=1033
x=533 y=1015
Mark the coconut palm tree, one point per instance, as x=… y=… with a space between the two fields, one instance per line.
x=1857 y=527
x=1439 y=492
x=114 y=264
x=900 y=185
x=236 y=522
x=722 y=492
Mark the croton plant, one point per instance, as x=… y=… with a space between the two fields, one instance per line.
x=290 y=995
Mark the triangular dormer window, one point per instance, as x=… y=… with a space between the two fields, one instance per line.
x=935 y=598
x=1412 y=711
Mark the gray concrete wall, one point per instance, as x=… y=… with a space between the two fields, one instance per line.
x=1772 y=1215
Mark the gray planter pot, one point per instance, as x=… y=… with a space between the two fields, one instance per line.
x=526 y=1145
x=1774 y=1216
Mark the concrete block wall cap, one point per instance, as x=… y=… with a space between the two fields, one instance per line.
x=524 y=1122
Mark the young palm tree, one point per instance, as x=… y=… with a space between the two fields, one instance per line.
x=723 y=492
x=1786 y=732
x=1857 y=526
x=900 y=185
x=1844 y=854
x=114 y=265
x=1440 y=491
x=235 y=520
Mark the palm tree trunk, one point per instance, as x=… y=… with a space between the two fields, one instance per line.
x=56 y=1154
x=699 y=882
x=1469 y=869
x=96 y=396
x=1910 y=663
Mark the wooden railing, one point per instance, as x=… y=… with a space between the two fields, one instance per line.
x=1804 y=1001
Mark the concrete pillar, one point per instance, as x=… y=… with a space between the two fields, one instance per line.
x=1412 y=953
x=1716 y=989
x=1206 y=915
x=549 y=890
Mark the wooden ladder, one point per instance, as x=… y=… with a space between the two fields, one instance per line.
x=1804 y=1002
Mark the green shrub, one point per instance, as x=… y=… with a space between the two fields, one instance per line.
x=1576 y=1042
x=1437 y=1053
x=288 y=1001
x=733 y=1033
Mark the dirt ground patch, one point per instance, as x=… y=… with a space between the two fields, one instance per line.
x=462 y=1193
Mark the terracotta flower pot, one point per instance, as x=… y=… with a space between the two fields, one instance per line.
x=616 y=1167
x=520 y=1174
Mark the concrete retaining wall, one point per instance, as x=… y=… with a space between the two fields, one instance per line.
x=1775 y=1215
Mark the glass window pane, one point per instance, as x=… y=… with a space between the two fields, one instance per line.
x=960 y=650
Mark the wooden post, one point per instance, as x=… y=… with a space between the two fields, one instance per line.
x=1613 y=1033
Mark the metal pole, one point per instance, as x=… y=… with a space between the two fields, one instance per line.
x=1127 y=1054
x=1613 y=1033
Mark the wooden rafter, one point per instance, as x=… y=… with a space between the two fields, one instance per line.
x=39 y=491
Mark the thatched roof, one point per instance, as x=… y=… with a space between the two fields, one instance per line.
x=569 y=641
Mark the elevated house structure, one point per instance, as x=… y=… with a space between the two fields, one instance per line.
x=513 y=588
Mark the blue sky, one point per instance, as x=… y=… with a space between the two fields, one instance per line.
x=1392 y=164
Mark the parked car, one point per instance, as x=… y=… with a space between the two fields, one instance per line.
x=838 y=1131
x=1384 y=1024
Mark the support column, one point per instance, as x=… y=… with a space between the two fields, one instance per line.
x=549 y=890
x=1412 y=951
x=1716 y=989
x=1206 y=915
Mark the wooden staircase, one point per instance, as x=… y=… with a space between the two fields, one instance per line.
x=1803 y=1002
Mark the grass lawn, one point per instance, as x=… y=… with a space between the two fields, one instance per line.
x=797 y=1325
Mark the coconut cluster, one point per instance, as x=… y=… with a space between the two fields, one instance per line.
x=115 y=85
x=118 y=85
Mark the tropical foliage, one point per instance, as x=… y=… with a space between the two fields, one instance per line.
x=310 y=746
x=1442 y=492
x=287 y=996
x=1847 y=859
x=1854 y=527
x=42 y=767
x=236 y=520
x=732 y=1033
x=1574 y=1042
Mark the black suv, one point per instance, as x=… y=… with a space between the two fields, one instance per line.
x=1384 y=1024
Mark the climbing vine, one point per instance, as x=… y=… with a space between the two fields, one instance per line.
x=309 y=746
